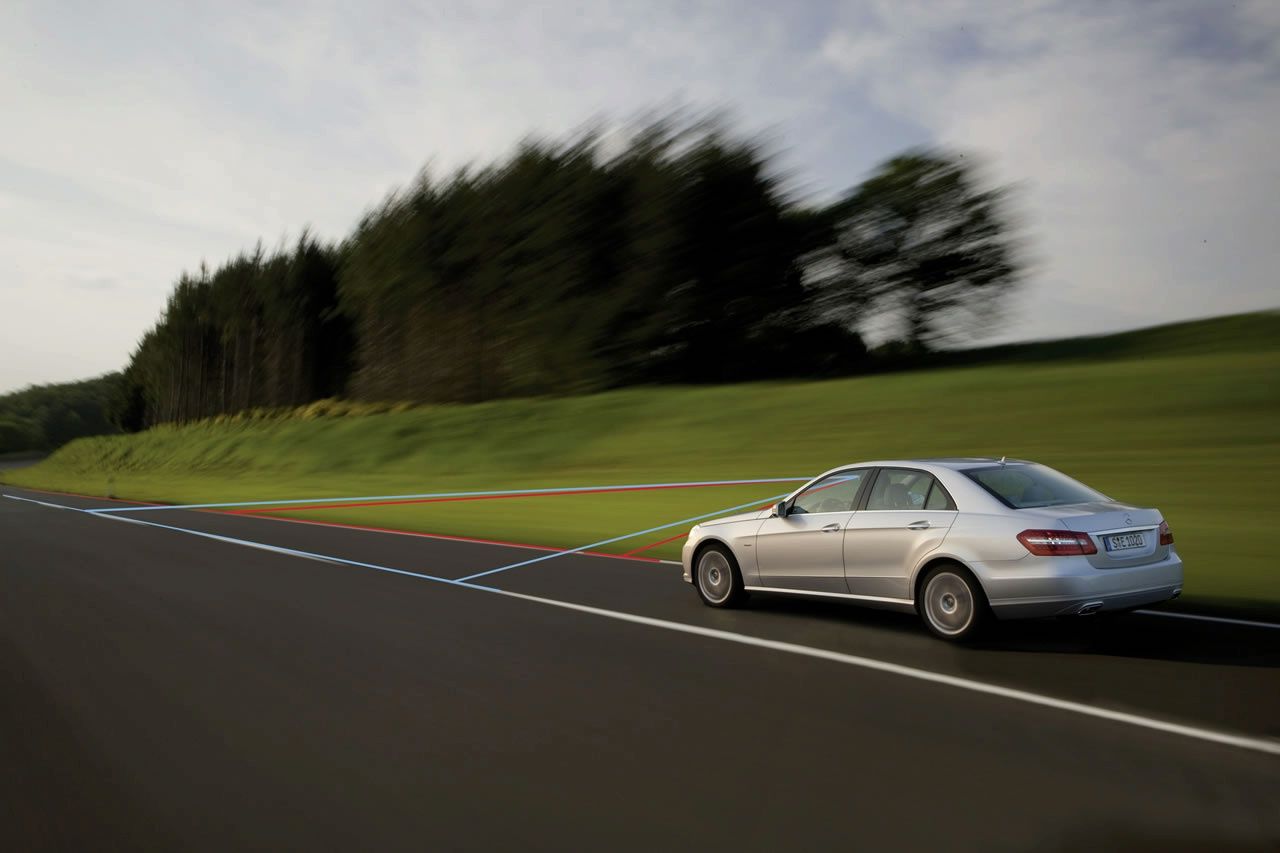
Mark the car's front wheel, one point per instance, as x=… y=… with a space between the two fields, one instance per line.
x=952 y=603
x=717 y=578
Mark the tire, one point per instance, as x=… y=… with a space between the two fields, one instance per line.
x=717 y=579
x=951 y=603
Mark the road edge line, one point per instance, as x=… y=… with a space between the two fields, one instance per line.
x=1261 y=745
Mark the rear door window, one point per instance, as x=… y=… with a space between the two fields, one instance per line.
x=906 y=489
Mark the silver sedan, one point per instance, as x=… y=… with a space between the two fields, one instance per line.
x=955 y=540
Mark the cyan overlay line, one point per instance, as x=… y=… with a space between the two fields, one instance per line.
x=1268 y=746
x=512 y=492
x=754 y=503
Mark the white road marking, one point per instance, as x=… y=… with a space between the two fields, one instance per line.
x=45 y=503
x=1264 y=745
x=1193 y=616
x=1201 y=618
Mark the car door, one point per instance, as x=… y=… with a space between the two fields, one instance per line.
x=804 y=549
x=906 y=514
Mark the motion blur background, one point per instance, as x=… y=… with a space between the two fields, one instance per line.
x=331 y=250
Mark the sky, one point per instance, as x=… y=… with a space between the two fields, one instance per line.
x=140 y=139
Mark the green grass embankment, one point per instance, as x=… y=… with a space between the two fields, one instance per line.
x=1195 y=434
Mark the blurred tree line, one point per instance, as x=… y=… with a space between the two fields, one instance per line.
x=43 y=417
x=260 y=331
x=566 y=269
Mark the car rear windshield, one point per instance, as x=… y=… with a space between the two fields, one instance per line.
x=1026 y=486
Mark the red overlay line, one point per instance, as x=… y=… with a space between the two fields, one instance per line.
x=682 y=535
x=416 y=533
x=655 y=544
x=455 y=498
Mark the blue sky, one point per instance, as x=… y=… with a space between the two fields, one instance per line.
x=141 y=138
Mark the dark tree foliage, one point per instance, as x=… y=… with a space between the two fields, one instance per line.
x=922 y=242
x=562 y=270
x=260 y=331
x=44 y=417
x=572 y=267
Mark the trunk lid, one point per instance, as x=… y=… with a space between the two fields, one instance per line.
x=1115 y=529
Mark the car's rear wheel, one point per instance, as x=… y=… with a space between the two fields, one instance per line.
x=952 y=603
x=717 y=577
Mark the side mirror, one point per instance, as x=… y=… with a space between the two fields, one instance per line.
x=781 y=509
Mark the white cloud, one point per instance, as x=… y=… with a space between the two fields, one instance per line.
x=1139 y=136
x=145 y=138
x=140 y=139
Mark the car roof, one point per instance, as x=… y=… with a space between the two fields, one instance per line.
x=962 y=462
x=956 y=463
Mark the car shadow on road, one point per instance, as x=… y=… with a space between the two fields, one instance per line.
x=1125 y=635
x=1137 y=635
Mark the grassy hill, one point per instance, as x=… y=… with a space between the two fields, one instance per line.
x=1185 y=417
x=1232 y=333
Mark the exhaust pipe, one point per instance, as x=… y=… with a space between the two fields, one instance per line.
x=1089 y=609
x=1177 y=592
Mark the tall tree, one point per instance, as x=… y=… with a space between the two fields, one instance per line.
x=572 y=266
x=923 y=243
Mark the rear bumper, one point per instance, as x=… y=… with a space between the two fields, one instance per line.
x=1058 y=586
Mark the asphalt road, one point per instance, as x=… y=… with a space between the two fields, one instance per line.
x=162 y=690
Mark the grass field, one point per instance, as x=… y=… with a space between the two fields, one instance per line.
x=1185 y=418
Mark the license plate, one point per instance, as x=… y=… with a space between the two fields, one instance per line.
x=1125 y=541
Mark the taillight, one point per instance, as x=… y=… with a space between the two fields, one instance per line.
x=1166 y=535
x=1056 y=543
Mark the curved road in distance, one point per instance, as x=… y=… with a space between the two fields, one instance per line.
x=160 y=689
x=10 y=463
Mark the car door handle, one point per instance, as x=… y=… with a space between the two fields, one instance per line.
x=830 y=528
x=919 y=525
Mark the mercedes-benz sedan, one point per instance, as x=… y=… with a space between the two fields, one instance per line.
x=955 y=540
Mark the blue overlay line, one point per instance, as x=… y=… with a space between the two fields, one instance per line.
x=512 y=492
x=552 y=556
x=1264 y=745
x=261 y=546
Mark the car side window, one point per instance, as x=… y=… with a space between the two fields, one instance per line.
x=938 y=498
x=918 y=490
x=835 y=493
x=904 y=489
